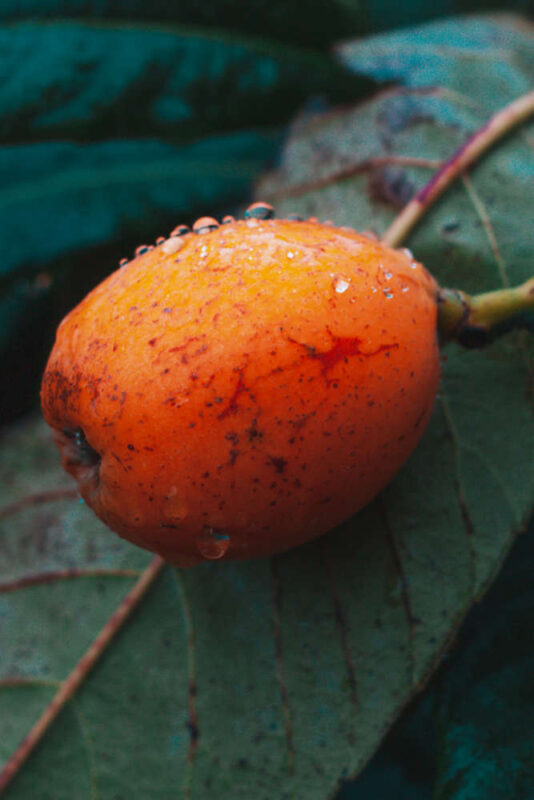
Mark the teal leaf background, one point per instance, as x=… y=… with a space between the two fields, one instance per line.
x=88 y=81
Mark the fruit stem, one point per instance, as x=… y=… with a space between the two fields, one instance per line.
x=74 y=680
x=499 y=125
x=475 y=320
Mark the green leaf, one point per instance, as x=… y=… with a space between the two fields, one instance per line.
x=492 y=57
x=105 y=80
x=279 y=678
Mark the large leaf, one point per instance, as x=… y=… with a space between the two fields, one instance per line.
x=113 y=80
x=278 y=678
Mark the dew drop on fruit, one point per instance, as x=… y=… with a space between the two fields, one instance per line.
x=212 y=543
x=180 y=230
x=340 y=284
x=205 y=225
x=259 y=210
x=175 y=508
x=172 y=245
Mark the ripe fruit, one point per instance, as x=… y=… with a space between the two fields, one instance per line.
x=242 y=388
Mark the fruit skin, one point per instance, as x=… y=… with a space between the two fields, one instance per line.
x=236 y=392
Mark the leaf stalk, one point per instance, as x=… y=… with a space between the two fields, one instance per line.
x=498 y=126
x=475 y=320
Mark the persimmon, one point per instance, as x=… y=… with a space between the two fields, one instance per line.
x=241 y=388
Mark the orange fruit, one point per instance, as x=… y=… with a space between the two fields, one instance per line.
x=242 y=388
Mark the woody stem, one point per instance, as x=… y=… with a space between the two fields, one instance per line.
x=498 y=126
x=475 y=320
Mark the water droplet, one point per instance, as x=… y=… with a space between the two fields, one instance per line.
x=180 y=230
x=212 y=543
x=160 y=240
x=172 y=245
x=290 y=254
x=340 y=284
x=405 y=289
x=228 y=219
x=295 y=217
x=373 y=288
x=388 y=275
x=259 y=210
x=387 y=291
x=205 y=225
x=313 y=219
x=142 y=249
x=123 y=262
x=407 y=253
x=175 y=508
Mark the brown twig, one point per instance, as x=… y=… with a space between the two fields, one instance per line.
x=36 y=499
x=498 y=126
x=73 y=681
x=369 y=165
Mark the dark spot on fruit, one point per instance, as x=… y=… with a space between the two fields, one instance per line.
x=279 y=464
x=253 y=432
x=233 y=456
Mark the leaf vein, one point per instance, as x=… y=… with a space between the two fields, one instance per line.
x=460 y=490
x=405 y=588
x=342 y=626
x=38 y=579
x=276 y=596
x=192 y=722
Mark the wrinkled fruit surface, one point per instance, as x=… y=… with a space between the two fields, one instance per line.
x=235 y=392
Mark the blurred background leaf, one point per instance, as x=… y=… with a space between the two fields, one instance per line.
x=89 y=81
